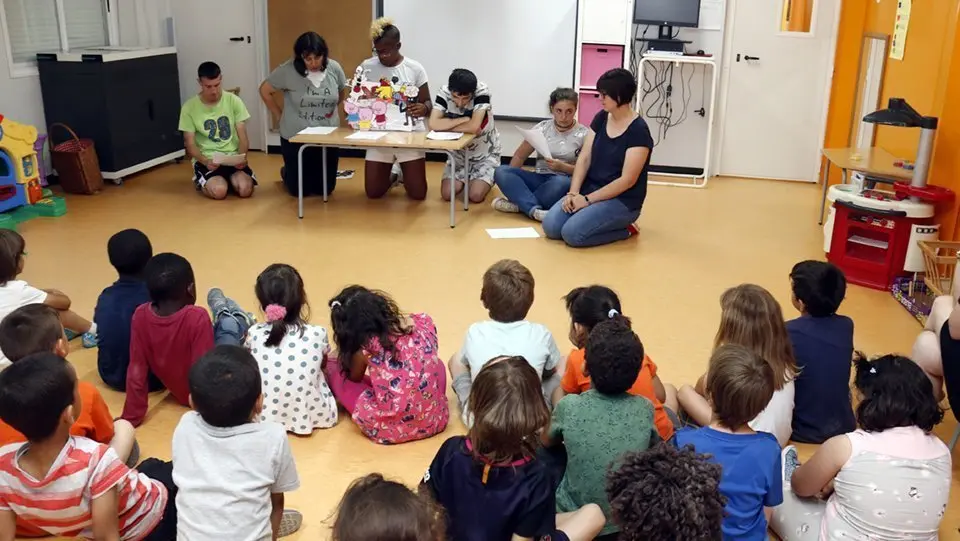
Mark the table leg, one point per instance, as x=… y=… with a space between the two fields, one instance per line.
x=452 y=156
x=300 y=181
x=824 y=178
x=324 y=150
x=466 y=185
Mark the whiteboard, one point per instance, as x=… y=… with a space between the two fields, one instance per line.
x=522 y=49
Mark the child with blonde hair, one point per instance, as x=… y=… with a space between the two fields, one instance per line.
x=752 y=318
x=290 y=353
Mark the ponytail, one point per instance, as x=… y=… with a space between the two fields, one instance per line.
x=283 y=300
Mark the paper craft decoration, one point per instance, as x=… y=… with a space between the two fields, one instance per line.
x=900 y=26
x=381 y=105
x=220 y=158
x=537 y=141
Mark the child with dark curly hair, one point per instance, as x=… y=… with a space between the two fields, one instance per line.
x=490 y=482
x=375 y=508
x=888 y=480
x=597 y=427
x=666 y=494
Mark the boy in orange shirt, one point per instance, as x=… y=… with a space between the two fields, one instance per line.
x=589 y=306
x=36 y=328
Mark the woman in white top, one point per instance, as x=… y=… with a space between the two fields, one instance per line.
x=290 y=353
x=889 y=480
x=534 y=192
x=752 y=318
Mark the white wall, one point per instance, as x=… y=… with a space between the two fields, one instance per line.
x=20 y=97
x=144 y=23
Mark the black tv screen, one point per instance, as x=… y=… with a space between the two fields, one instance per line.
x=668 y=12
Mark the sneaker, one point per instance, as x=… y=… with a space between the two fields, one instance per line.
x=538 y=214
x=220 y=304
x=504 y=205
x=89 y=340
x=790 y=463
x=70 y=334
x=290 y=523
x=633 y=230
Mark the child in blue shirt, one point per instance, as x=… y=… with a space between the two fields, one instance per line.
x=739 y=385
x=823 y=346
x=129 y=250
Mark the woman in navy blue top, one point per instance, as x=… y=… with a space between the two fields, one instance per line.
x=610 y=180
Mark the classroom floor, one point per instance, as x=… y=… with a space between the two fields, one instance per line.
x=693 y=244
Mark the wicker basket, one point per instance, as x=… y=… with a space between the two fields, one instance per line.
x=76 y=163
x=940 y=260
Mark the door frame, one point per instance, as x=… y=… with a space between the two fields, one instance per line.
x=730 y=24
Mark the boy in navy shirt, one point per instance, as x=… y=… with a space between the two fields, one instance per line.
x=739 y=386
x=823 y=346
x=129 y=251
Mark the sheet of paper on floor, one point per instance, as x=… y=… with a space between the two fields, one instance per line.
x=513 y=233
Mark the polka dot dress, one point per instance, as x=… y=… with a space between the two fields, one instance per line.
x=295 y=393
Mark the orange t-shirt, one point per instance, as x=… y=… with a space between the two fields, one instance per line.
x=95 y=421
x=575 y=382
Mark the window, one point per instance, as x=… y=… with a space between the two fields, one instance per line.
x=797 y=16
x=34 y=26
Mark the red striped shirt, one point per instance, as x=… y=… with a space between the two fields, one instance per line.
x=60 y=503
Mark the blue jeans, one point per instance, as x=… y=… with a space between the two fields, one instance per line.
x=229 y=329
x=599 y=223
x=530 y=190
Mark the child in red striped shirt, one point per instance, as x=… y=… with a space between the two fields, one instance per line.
x=70 y=486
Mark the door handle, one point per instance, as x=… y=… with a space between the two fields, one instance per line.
x=749 y=58
x=237 y=38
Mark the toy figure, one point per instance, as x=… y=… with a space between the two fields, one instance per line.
x=353 y=116
x=380 y=110
x=384 y=91
x=410 y=96
x=366 y=118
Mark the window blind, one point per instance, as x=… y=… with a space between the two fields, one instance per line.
x=86 y=23
x=32 y=28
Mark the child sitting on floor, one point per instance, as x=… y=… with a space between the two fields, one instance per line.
x=666 y=494
x=231 y=470
x=598 y=426
x=739 y=385
x=890 y=479
x=463 y=105
x=489 y=482
x=16 y=293
x=36 y=328
x=507 y=294
x=62 y=485
x=823 y=346
x=373 y=508
x=128 y=251
x=752 y=318
x=387 y=373
x=290 y=353
x=589 y=306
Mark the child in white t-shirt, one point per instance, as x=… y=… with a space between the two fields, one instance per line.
x=290 y=353
x=507 y=295
x=16 y=293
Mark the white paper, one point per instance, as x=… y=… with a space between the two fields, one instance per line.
x=711 y=15
x=366 y=135
x=220 y=158
x=444 y=135
x=514 y=233
x=319 y=130
x=537 y=141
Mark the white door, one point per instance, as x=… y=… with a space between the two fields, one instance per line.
x=222 y=31
x=777 y=90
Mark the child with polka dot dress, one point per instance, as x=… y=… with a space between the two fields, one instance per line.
x=290 y=353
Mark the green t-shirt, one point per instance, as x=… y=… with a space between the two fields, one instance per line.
x=597 y=430
x=308 y=101
x=215 y=126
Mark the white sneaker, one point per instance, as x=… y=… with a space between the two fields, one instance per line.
x=504 y=205
x=290 y=523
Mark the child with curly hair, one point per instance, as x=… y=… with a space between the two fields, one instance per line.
x=666 y=494
x=374 y=508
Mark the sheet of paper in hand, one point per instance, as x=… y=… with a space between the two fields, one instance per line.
x=220 y=158
x=381 y=105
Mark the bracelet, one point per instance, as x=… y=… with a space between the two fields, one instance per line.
x=587 y=199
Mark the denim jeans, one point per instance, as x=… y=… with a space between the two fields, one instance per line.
x=602 y=222
x=530 y=190
x=229 y=329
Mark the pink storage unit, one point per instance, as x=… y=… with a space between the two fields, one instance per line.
x=595 y=60
x=590 y=105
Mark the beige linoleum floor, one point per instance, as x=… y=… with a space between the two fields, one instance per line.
x=693 y=244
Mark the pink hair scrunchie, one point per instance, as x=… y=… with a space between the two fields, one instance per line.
x=275 y=312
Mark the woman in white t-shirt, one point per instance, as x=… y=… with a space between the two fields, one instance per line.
x=16 y=293
x=534 y=192
x=752 y=318
x=290 y=353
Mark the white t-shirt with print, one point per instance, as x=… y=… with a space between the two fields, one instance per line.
x=295 y=392
x=488 y=340
x=15 y=294
x=226 y=477
x=777 y=417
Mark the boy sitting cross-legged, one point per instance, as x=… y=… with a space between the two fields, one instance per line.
x=231 y=471
x=36 y=328
x=70 y=486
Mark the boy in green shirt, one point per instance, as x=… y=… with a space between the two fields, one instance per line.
x=214 y=122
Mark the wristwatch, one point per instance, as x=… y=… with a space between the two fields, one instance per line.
x=587 y=199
